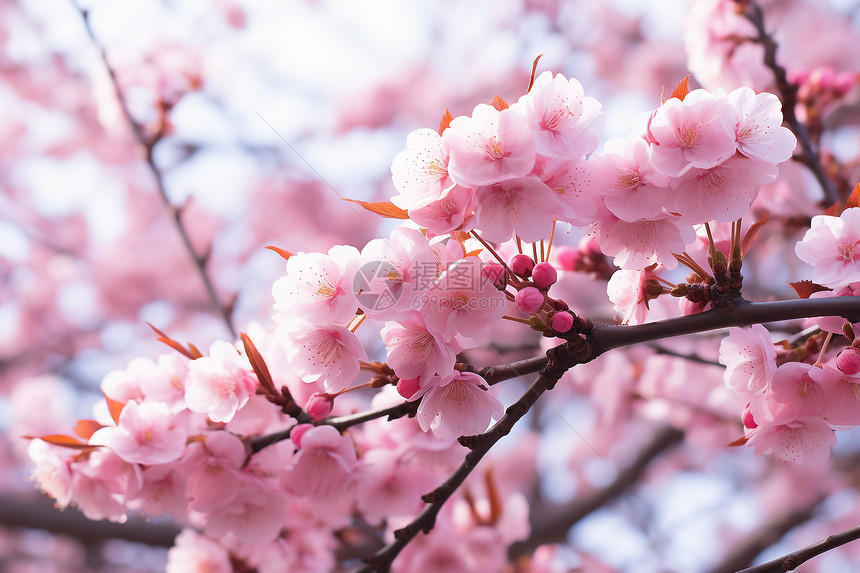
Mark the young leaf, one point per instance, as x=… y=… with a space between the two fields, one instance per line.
x=805 y=288
x=499 y=103
x=285 y=254
x=534 y=69
x=382 y=208
x=854 y=198
x=258 y=364
x=62 y=440
x=681 y=90
x=446 y=120
x=114 y=407
x=86 y=428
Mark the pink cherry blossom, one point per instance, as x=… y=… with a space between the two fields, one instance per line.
x=842 y=395
x=415 y=351
x=219 y=384
x=697 y=132
x=394 y=272
x=566 y=122
x=832 y=247
x=632 y=189
x=796 y=393
x=195 y=552
x=721 y=193
x=759 y=131
x=462 y=301
x=328 y=354
x=145 y=434
x=318 y=287
x=750 y=360
x=457 y=406
x=324 y=464
x=627 y=290
x=489 y=147
x=255 y=514
x=420 y=172
x=805 y=440
x=451 y=212
x=573 y=184
x=523 y=206
x=636 y=245
x=213 y=470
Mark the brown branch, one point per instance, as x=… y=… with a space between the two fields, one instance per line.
x=560 y=359
x=199 y=260
x=38 y=512
x=793 y=560
x=551 y=524
x=788 y=94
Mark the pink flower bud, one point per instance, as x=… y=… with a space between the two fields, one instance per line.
x=567 y=257
x=748 y=420
x=562 y=321
x=848 y=361
x=297 y=432
x=544 y=275
x=319 y=405
x=522 y=265
x=496 y=274
x=529 y=300
x=408 y=388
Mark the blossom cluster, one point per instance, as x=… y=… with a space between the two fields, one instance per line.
x=795 y=404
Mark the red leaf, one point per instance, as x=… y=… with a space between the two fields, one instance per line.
x=681 y=90
x=805 y=288
x=86 y=428
x=834 y=210
x=739 y=442
x=383 y=209
x=191 y=352
x=258 y=364
x=285 y=254
x=474 y=253
x=114 y=407
x=534 y=69
x=853 y=199
x=499 y=103
x=446 y=120
x=62 y=440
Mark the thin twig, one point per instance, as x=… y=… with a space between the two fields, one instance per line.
x=788 y=94
x=793 y=560
x=200 y=261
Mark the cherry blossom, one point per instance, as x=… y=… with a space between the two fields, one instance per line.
x=565 y=122
x=219 y=384
x=145 y=434
x=697 y=132
x=319 y=287
x=327 y=354
x=749 y=358
x=832 y=247
x=457 y=406
x=759 y=130
x=489 y=146
x=416 y=352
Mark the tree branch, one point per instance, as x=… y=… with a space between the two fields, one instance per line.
x=38 y=512
x=792 y=561
x=788 y=95
x=199 y=261
x=550 y=524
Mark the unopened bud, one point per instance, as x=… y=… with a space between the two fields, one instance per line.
x=562 y=321
x=522 y=265
x=297 y=432
x=408 y=388
x=544 y=275
x=748 y=420
x=496 y=274
x=319 y=405
x=848 y=361
x=529 y=300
